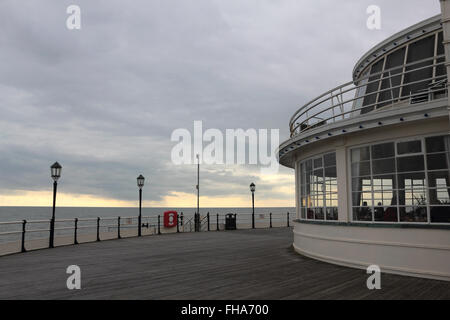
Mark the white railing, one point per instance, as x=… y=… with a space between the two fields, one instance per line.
x=352 y=100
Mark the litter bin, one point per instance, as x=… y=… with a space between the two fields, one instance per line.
x=230 y=221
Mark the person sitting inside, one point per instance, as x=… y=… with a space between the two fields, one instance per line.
x=379 y=211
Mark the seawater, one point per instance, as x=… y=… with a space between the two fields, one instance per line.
x=39 y=213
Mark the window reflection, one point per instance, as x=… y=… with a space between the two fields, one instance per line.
x=318 y=190
x=391 y=183
x=395 y=77
x=438 y=159
x=420 y=79
x=390 y=86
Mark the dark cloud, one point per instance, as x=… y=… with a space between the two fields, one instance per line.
x=104 y=100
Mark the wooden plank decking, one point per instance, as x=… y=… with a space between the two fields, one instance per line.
x=243 y=264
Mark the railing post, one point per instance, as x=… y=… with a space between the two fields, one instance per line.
x=195 y=222
x=288 y=219
x=24 y=223
x=98 y=229
x=270 y=219
x=217 y=216
x=75 y=232
x=159 y=224
x=118 y=228
x=178 y=224
x=207 y=217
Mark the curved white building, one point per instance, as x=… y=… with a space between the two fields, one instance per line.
x=372 y=159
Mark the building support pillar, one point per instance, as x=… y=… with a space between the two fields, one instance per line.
x=344 y=208
x=297 y=189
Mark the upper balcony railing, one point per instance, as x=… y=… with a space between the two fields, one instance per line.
x=411 y=83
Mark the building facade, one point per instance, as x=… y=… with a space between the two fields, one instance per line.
x=372 y=159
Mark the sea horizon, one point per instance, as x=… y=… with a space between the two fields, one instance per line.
x=11 y=213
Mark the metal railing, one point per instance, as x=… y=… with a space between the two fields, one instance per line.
x=349 y=100
x=81 y=230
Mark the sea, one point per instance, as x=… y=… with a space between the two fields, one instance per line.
x=41 y=213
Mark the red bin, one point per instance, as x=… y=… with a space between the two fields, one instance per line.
x=170 y=219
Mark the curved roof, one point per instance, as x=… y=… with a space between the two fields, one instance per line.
x=406 y=35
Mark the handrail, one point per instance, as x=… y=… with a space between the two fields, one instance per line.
x=39 y=221
x=10 y=222
x=64 y=220
x=323 y=108
x=385 y=102
x=9 y=232
x=114 y=225
x=376 y=74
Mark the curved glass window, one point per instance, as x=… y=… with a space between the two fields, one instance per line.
x=404 y=181
x=419 y=80
x=372 y=87
x=390 y=86
x=318 y=188
x=440 y=69
x=414 y=72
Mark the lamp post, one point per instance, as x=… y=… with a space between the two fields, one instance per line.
x=252 y=189
x=55 y=170
x=140 y=184
x=197 y=218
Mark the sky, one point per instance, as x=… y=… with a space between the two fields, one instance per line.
x=104 y=100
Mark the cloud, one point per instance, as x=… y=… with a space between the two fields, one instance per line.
x=104 y=100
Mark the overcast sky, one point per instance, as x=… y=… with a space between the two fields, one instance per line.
x=104 y=100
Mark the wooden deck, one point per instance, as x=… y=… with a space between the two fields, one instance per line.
x=243 y=264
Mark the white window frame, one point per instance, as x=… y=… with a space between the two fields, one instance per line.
x=422 y=138
x=312 y=158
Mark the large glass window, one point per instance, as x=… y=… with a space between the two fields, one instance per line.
x=318 y=188
x=390 y=86
x=419 y=50
x=399 y=81
x=372 y=87
x=374 y=183
x=360 y=92
x=404 y=181
x=438 y=166
x=440 y=69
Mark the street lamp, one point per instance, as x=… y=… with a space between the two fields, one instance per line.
x=252 y=189
x=140 y=184
x=197 y=215
x=55 y=170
